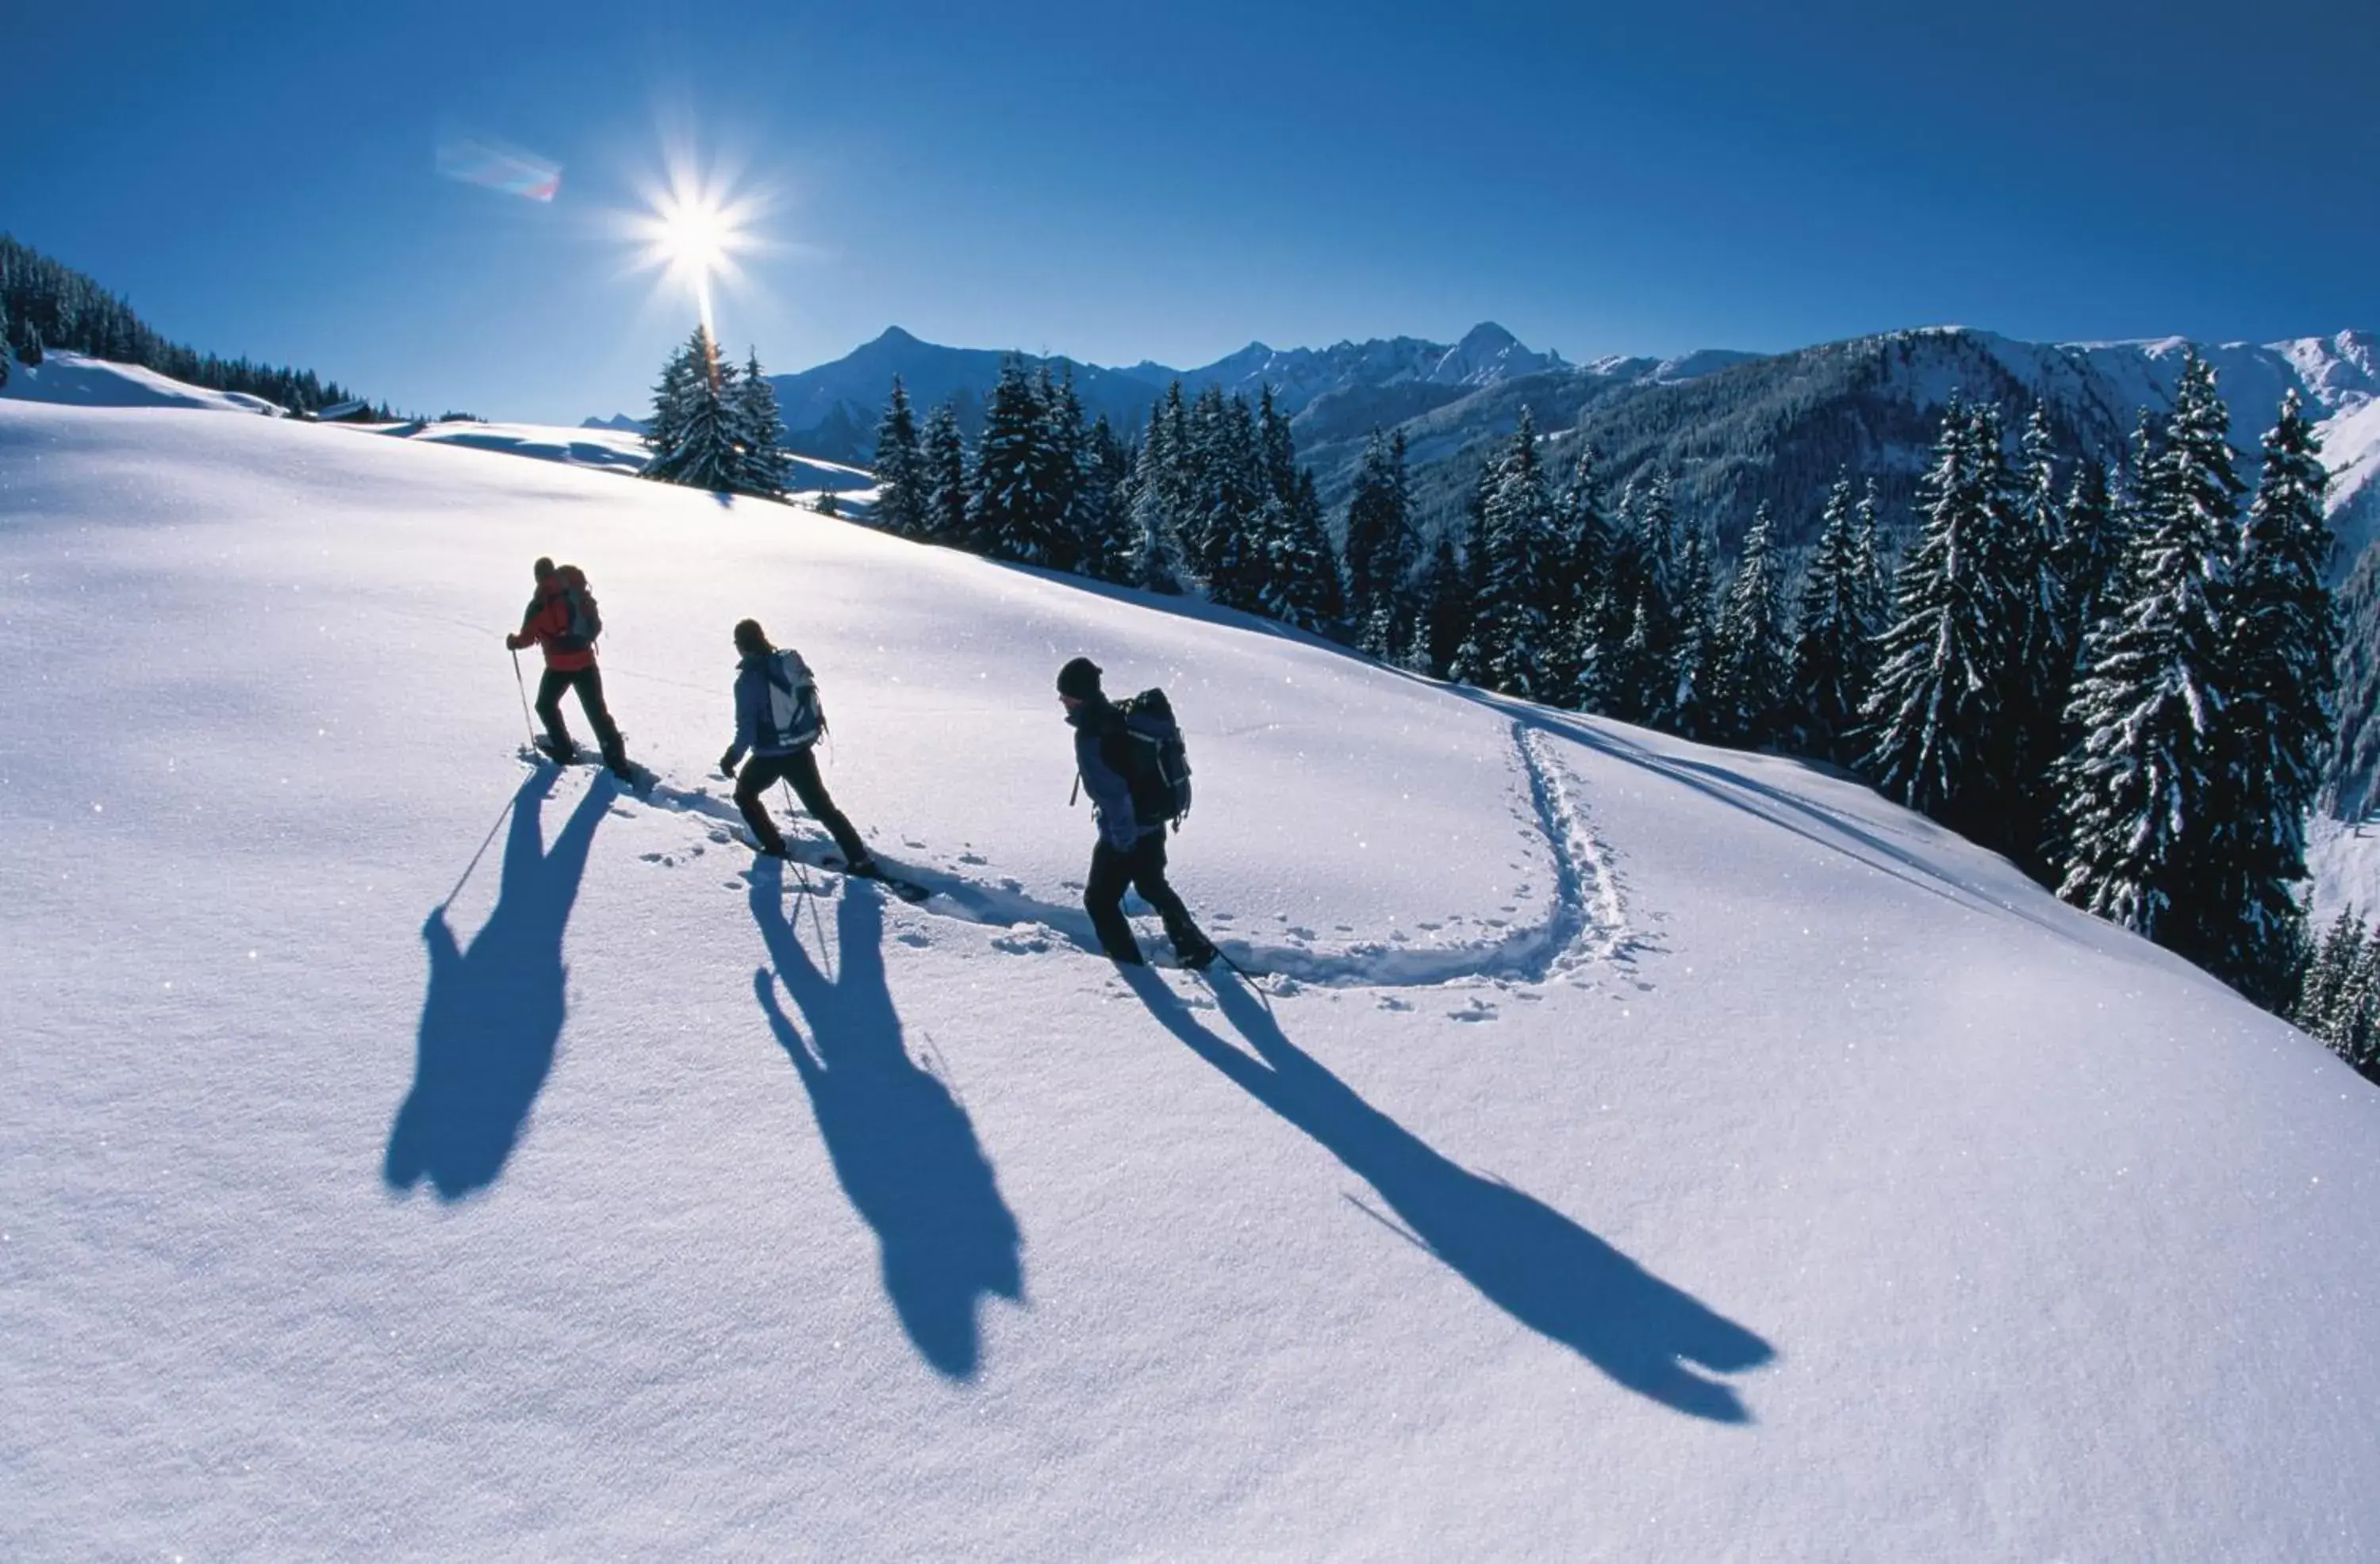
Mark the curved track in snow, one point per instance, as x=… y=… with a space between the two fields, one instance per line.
x=1585 y=924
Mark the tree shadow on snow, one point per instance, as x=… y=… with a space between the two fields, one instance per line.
x=901 y=1145
x=1526 y=1258
x=493 y=1014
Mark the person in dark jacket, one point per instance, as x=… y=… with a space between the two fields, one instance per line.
x=569 y=664
x=1129 y=852
x=782 y=753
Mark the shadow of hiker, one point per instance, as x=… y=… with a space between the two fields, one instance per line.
x=492 y=1014
x=902 y=1146
x=1527 y=1258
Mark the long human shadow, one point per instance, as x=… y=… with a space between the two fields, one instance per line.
x=493 y=1014
x=1522 y=1255
x=902 y=1146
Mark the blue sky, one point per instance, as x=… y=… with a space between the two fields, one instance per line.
x=1169 y=182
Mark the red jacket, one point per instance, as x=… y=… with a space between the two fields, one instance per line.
x=547 y=623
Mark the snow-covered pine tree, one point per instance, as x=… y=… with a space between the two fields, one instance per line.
x=943 y=478
x=1380 y=546
x=2089 y=550
x=1060 y=457
x=2041 y=678
x=1157 y=563
x=1834 y=654
x=1937 y=713
x=1751 y=656
x=673 y=393
x=1639 y=607
x=902 y=491
x=1105 y=539
x=1518 y=574
x=1229 y=476
x=1010 y=513
x=761 y=431
x=1443 y=597
x=2281 y=722
x=2327 y=974
x=1687 y=707
x=709 y=449
x=2144 y=812
x=1582 y=540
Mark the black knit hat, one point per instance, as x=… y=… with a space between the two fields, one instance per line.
x=1079 y=679
x=542 y=568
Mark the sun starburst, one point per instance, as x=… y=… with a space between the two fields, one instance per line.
x=694 y=229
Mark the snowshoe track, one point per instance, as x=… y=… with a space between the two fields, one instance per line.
x=1584 y=928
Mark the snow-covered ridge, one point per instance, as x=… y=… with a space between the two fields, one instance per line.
x=78 y=380
x=1643 y=1152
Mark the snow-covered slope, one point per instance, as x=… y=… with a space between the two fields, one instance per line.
x=1663 y=1153
x=619 y=451
x=76 y=381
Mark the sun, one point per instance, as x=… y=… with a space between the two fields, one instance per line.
x=692 y=230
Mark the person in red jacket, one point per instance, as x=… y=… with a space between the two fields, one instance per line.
x=561 y=619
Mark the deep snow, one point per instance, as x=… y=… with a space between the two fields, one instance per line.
x=1660 y=1153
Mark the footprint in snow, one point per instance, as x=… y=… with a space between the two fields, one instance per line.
x=914 y=939
x=1025 y=939
x=1389 y=1001
x=1478 y=1009
x=977 y=859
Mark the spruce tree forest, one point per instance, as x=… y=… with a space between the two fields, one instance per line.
x=2121 y=680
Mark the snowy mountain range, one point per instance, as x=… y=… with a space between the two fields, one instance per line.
x=1734 y=430
x=1639 y=1151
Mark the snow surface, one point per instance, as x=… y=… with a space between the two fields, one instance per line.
x=1657 y=1152
x=78 y=380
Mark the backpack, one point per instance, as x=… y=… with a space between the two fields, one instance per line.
x=586 y=621
x=1156 y=762
x=794 y=717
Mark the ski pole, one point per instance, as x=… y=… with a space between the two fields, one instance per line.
x=522 y=685
x=803 y=875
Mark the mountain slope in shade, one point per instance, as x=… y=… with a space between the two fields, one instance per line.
x=1642 y=1151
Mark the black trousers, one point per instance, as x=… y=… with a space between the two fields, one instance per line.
x=764 y=772
x=1143 y=868
x=598 y=717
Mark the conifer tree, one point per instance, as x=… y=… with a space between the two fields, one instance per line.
x=1380 y=546
x=1105 y=539
x=1834 y=653
x=1444 y=597
x=942 y=476
x=1518 y=575
x=1059 y=459
x=1750 y=645
x=2279 y=723
x=2041 y=676
x=1694 y=633
x=1937 y=712
x=674 y=396
x=2088 y=551
x=708 y=451
x=1158 y=563
x=1012 y=514
x=2143 y=813
x=1227 y=475
x=760 y=434
x=1301 y=585
x=1580 y=540
x=903 y=493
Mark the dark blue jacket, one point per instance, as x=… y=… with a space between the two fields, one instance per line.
x=752 y=709
x=1098 y=724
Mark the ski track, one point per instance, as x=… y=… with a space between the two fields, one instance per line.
x=1586 y=926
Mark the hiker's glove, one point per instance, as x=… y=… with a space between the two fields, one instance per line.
x=512 y=643
x=727 y=764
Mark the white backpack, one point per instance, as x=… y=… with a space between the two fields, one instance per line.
x=795 y=718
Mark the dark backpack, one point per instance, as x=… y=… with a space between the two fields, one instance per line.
x=586 y=620
x=1156 y=763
